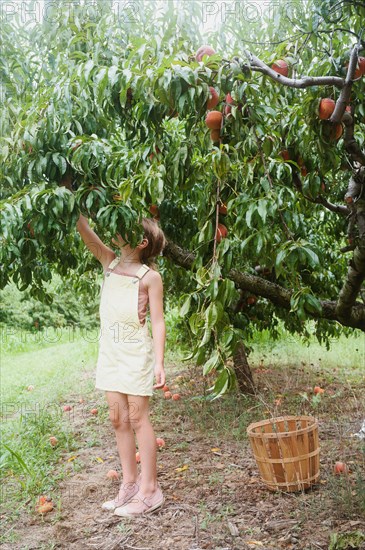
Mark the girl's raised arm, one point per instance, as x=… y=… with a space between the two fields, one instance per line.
x=96 y=246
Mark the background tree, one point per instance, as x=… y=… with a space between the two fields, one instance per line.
x=265 y=221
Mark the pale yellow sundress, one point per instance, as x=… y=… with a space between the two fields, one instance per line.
x=126 y=356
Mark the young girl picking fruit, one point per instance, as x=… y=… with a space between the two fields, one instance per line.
x=129 y=357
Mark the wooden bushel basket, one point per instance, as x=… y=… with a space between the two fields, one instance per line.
x=286 y=450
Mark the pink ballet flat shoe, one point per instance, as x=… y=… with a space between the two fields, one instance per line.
x=124 y=495
x=139 y=504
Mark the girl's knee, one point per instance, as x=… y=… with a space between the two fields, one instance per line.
x=140 y=422
x=118 y=410
x=120 y=422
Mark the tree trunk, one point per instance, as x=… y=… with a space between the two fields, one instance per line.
x=243 y=371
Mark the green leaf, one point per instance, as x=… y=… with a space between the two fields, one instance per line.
x=211 y=363
x=221 y=384
x=17 y=457
x=185 y=307
x=313 y=304
x=211 y=315
x=249 y=213
x=279 y=260
x=262 y=209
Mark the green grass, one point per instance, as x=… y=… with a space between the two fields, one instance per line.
x=61 y=366
x=346 y=356
x=54 y=370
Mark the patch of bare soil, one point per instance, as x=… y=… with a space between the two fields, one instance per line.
x=214 y=497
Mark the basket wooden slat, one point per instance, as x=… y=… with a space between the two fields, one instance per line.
x=286 y=450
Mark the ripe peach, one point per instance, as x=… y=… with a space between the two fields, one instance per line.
x=160 y=442
x=153 y=209
x=30 y=229
x=204 y=50
x=230 y=101
x=215 y=135
x=45 y=508
x=223 y=209
x=303 y=168
x=361 y=64
x=251 y=300
x=112 y=474
x=304 y=171
x=176 y=396
x=221 y=232
x=318 y=389
x=213 y=98
x=67 y=408
x=360 y=68
x=165 y=388
x=281 y=67
x=167 y=395
x=138 y=457
x=94 y=411
x=326 y=108
x=337 y=132
x=42 y=500
x=340 y=468
x=214 y=120
x=53 y=441
x=152 y=155
x=285 y=154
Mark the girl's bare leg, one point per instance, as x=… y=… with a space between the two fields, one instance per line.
x=140 y=422
x=119 y=417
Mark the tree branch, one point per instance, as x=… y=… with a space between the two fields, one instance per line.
x=351 y=145
x=345 y=93
x=277 y=295
x=338 y=209
x=304 y=82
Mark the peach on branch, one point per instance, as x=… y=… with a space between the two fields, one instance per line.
x=281 y=67
x=285 y=154
x=221 y=232
x=214 y=120
x=360 y=68
x=361 y=64
x=229 y=103
x=326 y=108
x=213 y=98
x=153 y=209
x=215 y=135
x=223 y=209
x=152 y=155
x=204 y=50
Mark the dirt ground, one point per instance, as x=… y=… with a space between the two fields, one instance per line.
x=217 y=499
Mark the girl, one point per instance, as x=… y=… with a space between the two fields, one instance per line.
x=127 y=361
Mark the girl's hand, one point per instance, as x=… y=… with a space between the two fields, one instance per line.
x=160 y=377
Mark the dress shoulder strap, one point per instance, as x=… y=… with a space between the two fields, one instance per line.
x=142 y=271
x=113 y=263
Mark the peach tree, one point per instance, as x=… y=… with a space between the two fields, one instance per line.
x=250 y=152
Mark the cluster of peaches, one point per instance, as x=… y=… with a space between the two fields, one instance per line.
x=214 y=119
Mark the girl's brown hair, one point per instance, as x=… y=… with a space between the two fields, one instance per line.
x=156 y=242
